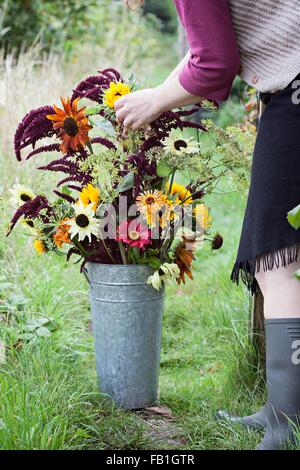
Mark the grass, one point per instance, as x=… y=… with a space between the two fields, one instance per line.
x=48 y=386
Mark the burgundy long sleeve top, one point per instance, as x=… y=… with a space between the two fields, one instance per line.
x=214 y=60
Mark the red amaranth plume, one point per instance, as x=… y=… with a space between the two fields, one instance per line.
x=93 y=87
x=34 y=126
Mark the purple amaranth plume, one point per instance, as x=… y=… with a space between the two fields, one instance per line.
x=80 y=178
x=68 y=167
x=93 y=87
x=30 y=209
x=170 y=120
x=67 y=197
x=106 y=142
x=44 y=148
x=34 y=126
x=143 y=165
x=76 y=188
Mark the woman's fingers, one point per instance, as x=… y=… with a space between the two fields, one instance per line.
x=120 y=103
x=121 y=115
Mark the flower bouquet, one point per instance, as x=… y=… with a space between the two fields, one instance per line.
x=129 y=209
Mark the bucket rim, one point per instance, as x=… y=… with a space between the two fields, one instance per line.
x=120 y=265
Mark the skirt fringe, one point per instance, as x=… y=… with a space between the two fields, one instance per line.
x=245 y=270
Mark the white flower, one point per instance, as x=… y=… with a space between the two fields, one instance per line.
x=29 y=224
x=20 y=194
x=179 y=145
x=84 y=223
x=155 y=280
x=170 y=271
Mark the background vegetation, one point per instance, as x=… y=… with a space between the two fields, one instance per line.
x=48 y=388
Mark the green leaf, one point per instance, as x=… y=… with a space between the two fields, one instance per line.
x=26 y=336
x=297 y=274
x=154 y=262
x=163 y=169
x=294 y=217
x=31 y=325
x=127 y=183
x=105 y=126
x=183 y=177
x=43 y=332
x=92 y=111
x=66 y=190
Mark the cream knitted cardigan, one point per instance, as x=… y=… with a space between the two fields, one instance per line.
x=268 y=35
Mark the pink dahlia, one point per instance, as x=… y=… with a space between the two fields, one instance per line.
x=133 y=234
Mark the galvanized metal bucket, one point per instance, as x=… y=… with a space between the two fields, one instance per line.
x=127 y=325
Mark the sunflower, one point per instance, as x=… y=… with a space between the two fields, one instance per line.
x=29 y=223
x=84 y=223
x=20 y=194
x=202 y=216
x=40 y=246
x=89 y=195
x=73 y=124
x=61 y=234
x=149 y=203
x=114 y=92
x=184 y=259
x=180 y=145
x=183 y=195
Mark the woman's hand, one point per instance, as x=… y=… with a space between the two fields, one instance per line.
x=133 y=4
x=140 y=108
x=137 y=109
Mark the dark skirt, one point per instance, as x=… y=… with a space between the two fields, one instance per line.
x=267 y=239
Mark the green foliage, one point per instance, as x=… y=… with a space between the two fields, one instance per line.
x=294 y=217
x=54 y=22
x=165 y=11
x=63 y=24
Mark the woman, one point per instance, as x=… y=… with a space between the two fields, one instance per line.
x=260 y=41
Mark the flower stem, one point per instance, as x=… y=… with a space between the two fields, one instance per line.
x=122 y=252
x=107 y=251
x=90 y=147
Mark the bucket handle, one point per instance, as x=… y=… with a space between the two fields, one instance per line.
x=85 y=272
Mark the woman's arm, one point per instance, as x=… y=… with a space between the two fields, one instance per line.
x=179 y=67
x=209 y=72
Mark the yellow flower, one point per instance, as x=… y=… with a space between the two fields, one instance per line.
x=182 y=193
x=149 y=203
x=114 y=92
x=40 y=247
x=90 y=195
x=202 y=216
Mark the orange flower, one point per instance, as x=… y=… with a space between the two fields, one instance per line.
x=184 y=259
x=73 y=124
x=61 y=235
